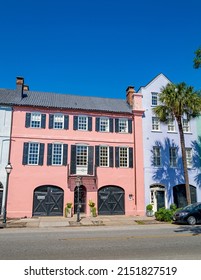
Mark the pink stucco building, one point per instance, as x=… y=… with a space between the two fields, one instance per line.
x=57 y=138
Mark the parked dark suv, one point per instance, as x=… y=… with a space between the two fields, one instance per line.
x=190 y=214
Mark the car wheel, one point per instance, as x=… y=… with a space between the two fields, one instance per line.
x=191 y=220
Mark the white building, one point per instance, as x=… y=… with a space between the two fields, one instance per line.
x=5 y=132
x=163 y=168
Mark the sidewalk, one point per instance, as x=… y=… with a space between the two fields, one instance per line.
x=50 y=222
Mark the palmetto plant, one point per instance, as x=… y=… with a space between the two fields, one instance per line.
x=178 y=101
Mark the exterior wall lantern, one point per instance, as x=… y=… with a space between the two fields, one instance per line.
x=130 y=196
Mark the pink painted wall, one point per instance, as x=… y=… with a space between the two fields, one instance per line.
x=24 y=178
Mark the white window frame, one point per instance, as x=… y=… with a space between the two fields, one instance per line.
x=156 y=156
x=103 y=156
x=186 y=125
x=82 y=123
x=155 y=124
x=189 y=157
x=83 y=158
x=171 y=124
x=104 y=125
x=58 y=122
x=173 y=156
x=57 y=156
x=33 y=156
x=123 y=157
x=154 y=99
x=35 y=121
x=123 y=126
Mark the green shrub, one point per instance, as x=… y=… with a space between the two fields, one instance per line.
x=166 y=215
x=149 y=207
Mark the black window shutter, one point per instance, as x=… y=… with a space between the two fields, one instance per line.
x=43 y=120
x=25 y=154
x=75 y=122
x=116 y=125
x=111 y=156
x=111 y=125
x=41 y=154
x=65 y=154
x=131 y=157
x=129 y=126
x=66 y=121
x=51 y=120
x=28 y=120
x=97 y=124
x=89 y=123
x=97 y=155
x=49 y=154
x=73 y=160
x=116 y=156
x=90 y=160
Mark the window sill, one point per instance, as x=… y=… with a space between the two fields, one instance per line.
x=159 y=131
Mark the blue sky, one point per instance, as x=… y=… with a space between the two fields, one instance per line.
x=98 y=47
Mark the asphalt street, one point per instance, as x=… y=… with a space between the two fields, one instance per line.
x=140 y=242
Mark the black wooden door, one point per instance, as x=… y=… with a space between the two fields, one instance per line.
x=48 y=201
x=111 y=201
x=160 y=199
x=82 y=199
x=179 y=194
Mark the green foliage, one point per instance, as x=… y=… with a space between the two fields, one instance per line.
x=91 y=203
x=69 y=205
x=197 y=59
x=165 y=215
x=149 y=207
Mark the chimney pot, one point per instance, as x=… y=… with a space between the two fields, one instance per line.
x=19 y=80
x=25 y=87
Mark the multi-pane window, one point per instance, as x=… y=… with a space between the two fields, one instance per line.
x=58 y=121
x=33 y=153
x=189 y=157
x=35 y=120
x=104 y=125
x=171 y=124
x=186 y=125
x=103 y=156
x=57 y=154
x=173 y=157
x=82 y=123
x=155 y=123
x=123 y=125
x=81 y=155
x=154 y=99
x=123 y=157
x=156 y=156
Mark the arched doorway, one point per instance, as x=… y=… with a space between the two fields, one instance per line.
x=1 y=197
x=111 y=201
x=157 y=195
x=48 y=201
x=82 y=199
x=179 y=194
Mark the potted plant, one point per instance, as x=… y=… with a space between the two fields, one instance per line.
x=92 y=208
x=93 y=212
x=68 y=210
x=149 y=210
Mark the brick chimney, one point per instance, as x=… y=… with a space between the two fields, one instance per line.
x=25 y=87
x=129 y=95
x=20 y=86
